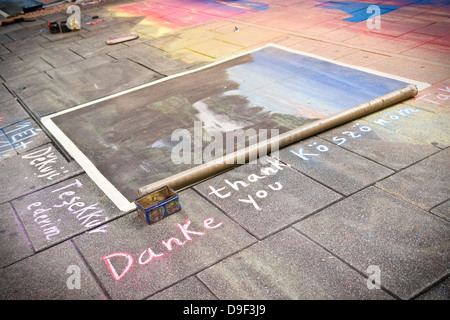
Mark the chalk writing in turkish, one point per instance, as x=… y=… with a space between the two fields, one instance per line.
x=88 y=216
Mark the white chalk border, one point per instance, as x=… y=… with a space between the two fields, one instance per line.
x=104 y=184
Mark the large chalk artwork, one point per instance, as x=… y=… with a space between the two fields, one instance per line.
x=163 y=128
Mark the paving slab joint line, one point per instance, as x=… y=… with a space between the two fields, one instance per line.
x=37 y=119
x=354 y=152
x=201 y=270
x=365 y=276
x=202 y=53
x=147 y=67
x=19 y=222
x=226 y=214
x=412 y=203
x=96 y=279
x=439 y=204
x=206 y=286
x=289 y=224
x=310 y=37
x=429 y=287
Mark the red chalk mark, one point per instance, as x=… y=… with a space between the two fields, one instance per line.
x=175 y=14
x=185 y=231
x=207 y=224
x=112 y=269
x=2 y=118
x=151 y=255
x=95 y=22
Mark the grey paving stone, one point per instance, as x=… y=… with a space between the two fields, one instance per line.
x=425 y=184
x=439 y=292
x=5 y=54
x=373 y=228
x=4 y=39
x=25 y=135
x=189 y=289
x=6 y=148
x=34 y=22
x=416 y=123
x=26 y=46
x=44 y=95
x=75 y=67
x=107 y=79
x=129 y=240
x=111 y=27
x=29 y=31
x=11 y=28
x=55 y=57
x=443 y=210
x=264 y=198
x=34 y=170
x=13 y=242
x=93 y=46
x=17 y=69
x=4 y=96
x=61 y=211
x=286 y=266
x=70 y=36
x=434 y=130
x=383 y=146
x=152 y=58
x=47 y=277
x=332 y=165
x=397 y=116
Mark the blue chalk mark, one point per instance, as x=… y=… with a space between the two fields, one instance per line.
x=289 y=83
x=244 y=5
x=358 y=10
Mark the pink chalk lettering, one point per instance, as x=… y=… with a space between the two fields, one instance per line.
x=149 y=255
x=168 y=243
x=207 y=224
x=185 y=231
x=130 y=262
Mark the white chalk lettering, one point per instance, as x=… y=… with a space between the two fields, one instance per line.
x=43 y=160
x=240 y=185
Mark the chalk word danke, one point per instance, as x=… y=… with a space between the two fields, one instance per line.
x=43 y=160
x=89 y=216
x=318 y=149
x=148 y=255
x=226 y=191
x=188 y=150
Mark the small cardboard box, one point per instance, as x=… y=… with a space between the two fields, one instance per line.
x=158 y=204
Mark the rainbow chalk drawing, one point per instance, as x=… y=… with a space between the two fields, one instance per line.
x=173 y=14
